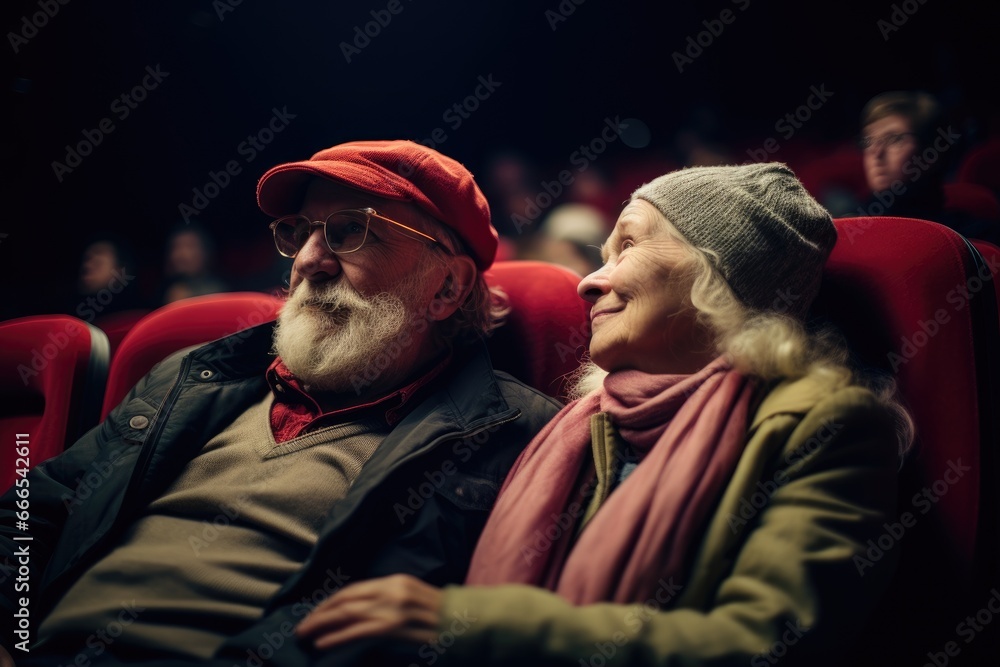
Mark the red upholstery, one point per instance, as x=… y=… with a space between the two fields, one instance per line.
x=54 y=367
x=904 y=294
x=991 y=255
x=973 y=200
x=842 y=169
x=117 y=325
x=982 y=166
x=178 y=325
x=548 y=328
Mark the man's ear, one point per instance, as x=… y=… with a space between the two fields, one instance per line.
x=455 y=288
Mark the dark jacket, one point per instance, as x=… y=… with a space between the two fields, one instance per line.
x=417 y=506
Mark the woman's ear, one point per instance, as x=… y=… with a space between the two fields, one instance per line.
x=455 y=287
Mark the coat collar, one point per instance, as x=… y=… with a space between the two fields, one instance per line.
x=794 y=397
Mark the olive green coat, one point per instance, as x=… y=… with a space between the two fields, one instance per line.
x=784 y=572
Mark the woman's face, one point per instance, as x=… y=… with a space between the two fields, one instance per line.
x=641 y=317
x=892 y=145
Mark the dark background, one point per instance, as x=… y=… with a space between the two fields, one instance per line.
x=229 y=69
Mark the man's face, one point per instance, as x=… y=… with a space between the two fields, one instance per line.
x=98 y=268
x=348 y=314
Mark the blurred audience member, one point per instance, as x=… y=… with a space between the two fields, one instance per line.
x=106 y=281
x=907 y=146
x=511 y=184
x=571 y=235
x=190 y=263
x=592 y=187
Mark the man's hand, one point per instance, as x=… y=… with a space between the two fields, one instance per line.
x=5 y=659
x=398 y=607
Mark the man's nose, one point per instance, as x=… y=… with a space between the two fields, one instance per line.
x=315 y=261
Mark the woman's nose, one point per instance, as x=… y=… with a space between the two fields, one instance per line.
x=595 y=285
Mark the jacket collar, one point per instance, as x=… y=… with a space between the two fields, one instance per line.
x=796 y=396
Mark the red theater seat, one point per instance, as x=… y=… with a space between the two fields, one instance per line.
x=973 y=200
x=548 y=328
x=842 y=170
x=982 y=166
x=911 y=298
x=117 y=325
x=54 y=367
x=178 y=325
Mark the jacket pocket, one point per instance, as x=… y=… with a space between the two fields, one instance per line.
x=470 y=492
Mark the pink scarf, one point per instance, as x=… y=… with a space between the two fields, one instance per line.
x=689 y=432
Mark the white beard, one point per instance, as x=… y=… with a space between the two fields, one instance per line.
x=328 y=335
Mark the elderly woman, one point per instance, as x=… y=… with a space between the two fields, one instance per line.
x=710 y=499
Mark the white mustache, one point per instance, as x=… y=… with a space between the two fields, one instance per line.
x=335 y=298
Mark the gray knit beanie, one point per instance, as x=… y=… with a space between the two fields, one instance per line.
x=773 y=238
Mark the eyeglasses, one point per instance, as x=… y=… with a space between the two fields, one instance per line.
x=884 y=141
x=345 y=231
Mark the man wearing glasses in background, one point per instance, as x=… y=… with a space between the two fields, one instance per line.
x=299 y=445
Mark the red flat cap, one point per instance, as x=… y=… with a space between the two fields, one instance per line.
x=398 y=170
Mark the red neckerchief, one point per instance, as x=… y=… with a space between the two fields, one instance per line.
x=294 y=412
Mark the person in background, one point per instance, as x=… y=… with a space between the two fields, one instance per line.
x=570 y=236
x=106 y=283
x=190 y=264
x=704 y=499
x=907 y=146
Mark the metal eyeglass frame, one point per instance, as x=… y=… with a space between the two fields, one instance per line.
x=368 y=213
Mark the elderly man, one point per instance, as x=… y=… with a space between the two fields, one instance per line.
x=244 y=487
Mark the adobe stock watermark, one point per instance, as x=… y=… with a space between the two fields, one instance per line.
x=914 y=168
x=87 y=310
x=968 y=629
x=779 y=649
x=248 y=149
x=923 y=501
x=454 y=628
x=559 y=524
x=32 y=23
x=698 y=43
x=271 y=642
x=561 y=13
x=363 y=35
x=99 y=641
x=959 y=297
x=633 y=133
x=223 y=7
x=461 y=451
x=456 y=114
x=121 y=107
x=750 y=507
x=95 y=475
x=210 y=530
x=578 y=337
x=898 y=17
x=634 y=620
x=243 y=327
x=417 y=325
x=791 y=122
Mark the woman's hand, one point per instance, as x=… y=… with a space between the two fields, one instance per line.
x=399 y=607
